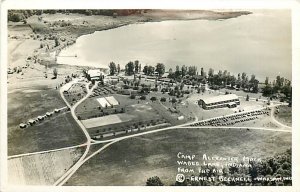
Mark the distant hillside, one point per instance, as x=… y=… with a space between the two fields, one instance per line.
x=20 y=15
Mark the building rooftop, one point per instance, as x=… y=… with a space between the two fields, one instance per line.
x=94 y=72
x=219 y=98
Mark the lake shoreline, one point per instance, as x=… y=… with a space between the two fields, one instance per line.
x=83 y=25
x=42 y=50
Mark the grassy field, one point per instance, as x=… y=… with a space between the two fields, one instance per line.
x=284 y=115
x=30 y=98
x=27 y=103
x=132 y=161
x=90 y=106
x=41 y=169
x=60 y=131
x=135 y=108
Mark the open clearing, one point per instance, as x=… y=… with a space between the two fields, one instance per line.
x=41 y=169
x=284 y=115
x=60 y=131
x=23 y=104
x=132 y=161
x=106 y=120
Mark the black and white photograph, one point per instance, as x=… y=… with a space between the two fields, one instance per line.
x=149 y=97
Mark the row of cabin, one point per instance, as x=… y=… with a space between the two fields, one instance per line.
x=38 y=119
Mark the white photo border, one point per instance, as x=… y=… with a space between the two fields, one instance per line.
x=162 y=4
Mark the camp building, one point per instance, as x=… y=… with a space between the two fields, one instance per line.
x=230 y=100
x=94 y=74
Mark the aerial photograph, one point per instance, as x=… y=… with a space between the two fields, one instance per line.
x=149 y=97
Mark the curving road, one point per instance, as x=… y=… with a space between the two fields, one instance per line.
x=72 y=170
x=64 y=178
x=112 y=141
x=276 y=121
x=89 y=140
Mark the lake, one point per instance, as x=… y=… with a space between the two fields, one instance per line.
x=259 y=43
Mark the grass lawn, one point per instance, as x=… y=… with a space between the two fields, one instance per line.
x=132 y=161
x=29 y=103
x=91 y=105
x=60 y=131
x=29 y=99
x=284 y=115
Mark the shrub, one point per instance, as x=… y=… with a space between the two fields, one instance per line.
x=163 y=99
x=143 y=97
x=15 y=17
x=187 y=92
x=174 y=100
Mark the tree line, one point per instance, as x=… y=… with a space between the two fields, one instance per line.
x=222 y=79
x=280 y=84
x=135 y=67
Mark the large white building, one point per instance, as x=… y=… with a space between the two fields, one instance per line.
x=94 y=74
x=230 y=100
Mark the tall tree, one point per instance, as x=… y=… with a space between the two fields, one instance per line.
x=210 y=72
x=136 y=66
x=238 y=82
x=112 y=68
x=145 y=70
x=244 y=77
x=160 y=69
x=267 y=90
x=267 y=81
x=151 y=70
x=183 y=70
x=118 y=68
x=202 y=72
x=177 y=71
x=192 y=70
x=129 y=68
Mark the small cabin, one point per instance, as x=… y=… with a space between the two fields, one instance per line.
x=23 y=125
x=180 y=118
x=40 y=118
x=31 y=121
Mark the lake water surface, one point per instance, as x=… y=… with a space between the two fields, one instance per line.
x=259 y=43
